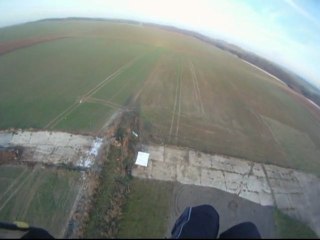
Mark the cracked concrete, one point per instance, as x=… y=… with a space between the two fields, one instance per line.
x=293 y=192
x=53 y=147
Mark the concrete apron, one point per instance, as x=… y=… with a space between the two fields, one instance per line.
x=53 y=147
x=293 y=192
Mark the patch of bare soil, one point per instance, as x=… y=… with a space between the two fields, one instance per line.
x=10 y=154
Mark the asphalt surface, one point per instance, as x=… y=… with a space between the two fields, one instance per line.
x=231 y=208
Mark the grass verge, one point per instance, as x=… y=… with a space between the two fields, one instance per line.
x=146 y=212
x=288 y=227
x=113 y=183
x=110 y=193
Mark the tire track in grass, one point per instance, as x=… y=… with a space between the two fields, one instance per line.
x=91 y=92
x=111 y=77
x=53 y=122
x=149 y=81
x=195 y=92
x=260 y=120
x=132 y=84
x=13 y=184
x=131 y=106
x=80 y=193
x=103 y=102
x=37 y=183
x=86 y=96
x=123 y=87
x=197 y=87
x=174 y=107
x=119 y=111
x=18 y=188
x=120 y=108
x=179 y=105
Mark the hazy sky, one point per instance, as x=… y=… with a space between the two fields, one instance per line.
x=287 y=31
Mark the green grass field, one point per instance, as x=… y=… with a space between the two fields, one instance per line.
x=146 y=217
x=40 y=197
x=187 y=92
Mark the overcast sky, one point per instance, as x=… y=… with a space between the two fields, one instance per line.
x=285 y=31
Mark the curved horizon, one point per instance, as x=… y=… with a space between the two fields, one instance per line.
x=281 y=31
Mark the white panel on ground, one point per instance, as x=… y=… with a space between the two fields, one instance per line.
x=142 y=159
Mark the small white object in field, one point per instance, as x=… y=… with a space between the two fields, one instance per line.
x=142 y=159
